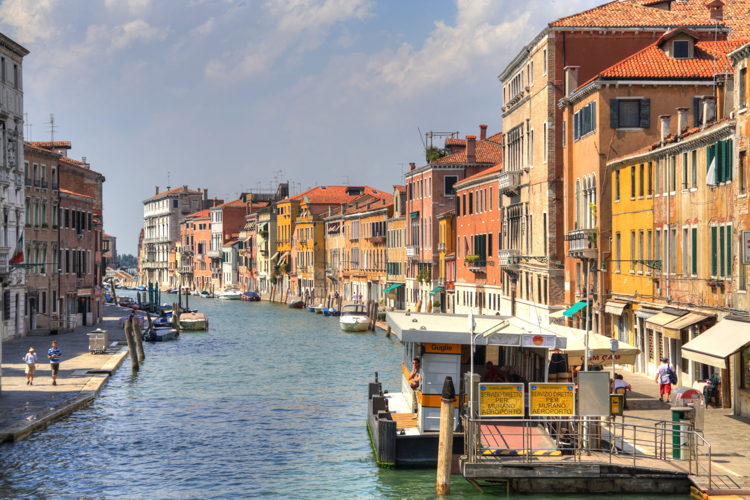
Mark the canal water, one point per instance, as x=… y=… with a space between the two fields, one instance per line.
x=270 y=402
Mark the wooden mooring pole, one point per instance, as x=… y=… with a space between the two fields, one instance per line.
x=129 y=337
x=445 y=439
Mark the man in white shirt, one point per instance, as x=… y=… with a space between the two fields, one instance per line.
x=663 y=379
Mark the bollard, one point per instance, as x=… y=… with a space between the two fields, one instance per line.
x=445 y=442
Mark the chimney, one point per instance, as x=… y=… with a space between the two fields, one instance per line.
x=482 y=132
x=571 y=79
x=205 y=193
x=709 y=109
x=664 y=121
x=156 y=191
x=716 y=10
x=471 y=149
x=412 y=166
x=185 y=188
x=682 y=120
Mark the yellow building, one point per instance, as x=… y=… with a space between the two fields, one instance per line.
x=443 y=294
x=394 y=293
x=308 y=251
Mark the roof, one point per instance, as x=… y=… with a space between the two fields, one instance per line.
x=400 y=188
x=487 y=151
x=40 y=149
x=332 y=195
x=67 y=191
x=484 y=173
x=238 y=203
x=201 y=214
x=636 y=13
x=50 y=144
x=180 y=189
x=652 y=62
x=455 y=141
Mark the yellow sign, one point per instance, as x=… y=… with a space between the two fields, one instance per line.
x=442 y=348
x=616 y=404
x=501 y=400
x=552 y=400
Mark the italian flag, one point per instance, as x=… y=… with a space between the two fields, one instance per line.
x=18 y=253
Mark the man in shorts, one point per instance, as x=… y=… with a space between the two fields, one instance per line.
x=663 y=379
x=54 y=355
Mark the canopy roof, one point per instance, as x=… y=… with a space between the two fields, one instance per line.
x=600 y=347
x=716 y=344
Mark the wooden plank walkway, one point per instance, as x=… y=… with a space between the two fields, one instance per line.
x=405 y=420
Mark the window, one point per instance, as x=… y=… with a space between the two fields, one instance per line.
x=544 y=62
x=684 y=170
x=694 y=168
x=719 y=162
x=174 y=203
x=617 y=185
x=657 y=249
x=743 y=88
x=672 y=181
x=694 y=248
x=448 y=182
x=16 y=77
x=632 y=182
x=641 y=180
x=564 y=128
x=584 y=121
x=640 y=251
x=681 y=49
x=648 y=249
x=544 y=140
x=742 y=171
x=630 y=113
x=657 y=176
x=685 y=251
x=632 y=251
x=650 y=178
x=618 y=255
x=728 y=237
x=673 y=250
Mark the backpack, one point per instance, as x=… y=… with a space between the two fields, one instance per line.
x=672 y=376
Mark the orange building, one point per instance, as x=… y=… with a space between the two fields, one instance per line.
x=195 y=262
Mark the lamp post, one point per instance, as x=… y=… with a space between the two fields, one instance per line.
x=472 y=326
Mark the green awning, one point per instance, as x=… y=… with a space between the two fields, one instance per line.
x=437 y=290
x=414 y=215
x=569 y=312
x=392 y=287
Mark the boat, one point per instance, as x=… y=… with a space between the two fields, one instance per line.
x=318 y=309
x=250 y=297
x=125 y=302
x=296 y=304
x=194 y=321
x=330 y=311
x=172 y=291
x=141 y=288
x=354 y=318
x=155 y=334
x=310 y=309
x=207 y=295
x=230 y=295
x=162 y=322
x=442 y=345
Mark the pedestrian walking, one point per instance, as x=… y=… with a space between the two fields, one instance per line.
x=30 y=359
x=54 y=355
x=665 y=377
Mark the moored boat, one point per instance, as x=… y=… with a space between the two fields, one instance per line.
x=250 y=297
x=193 y=321
x=160 y=334
x=206 y=294
x=354 y=318
x=230 y=295
x=296 y=304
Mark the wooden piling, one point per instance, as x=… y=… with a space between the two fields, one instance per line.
x=134 y=365
x=445 y=440
x=138 y=337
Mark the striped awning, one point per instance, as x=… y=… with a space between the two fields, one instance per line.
x=673 y=328
x=615 y=308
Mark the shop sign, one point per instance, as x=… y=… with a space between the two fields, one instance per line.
x=552 y=400
x=501 y=400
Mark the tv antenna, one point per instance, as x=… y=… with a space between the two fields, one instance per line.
x=429 y=136
x=52 y=127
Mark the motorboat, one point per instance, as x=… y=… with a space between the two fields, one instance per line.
x=296 y=304
x=250 y=297
x=155 y=334
x=125 y=301
x=162 y=322
x=354 y=318
x=310 y=309
x=230 y=295
x=319 y=309
x=193 y=321
x=207 y=295
x=330 y=311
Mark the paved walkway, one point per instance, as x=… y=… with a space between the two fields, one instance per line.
x=729 y=435
x=24 y=408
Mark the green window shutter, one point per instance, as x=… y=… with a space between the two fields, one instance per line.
x=614 y=113
x=721 y=251
x=593 y=115
x=728 y=156
x=728 y=230
x=695 y=251
x=645 y=115
x=719 y=161
x=489 y=245
x=713 y=251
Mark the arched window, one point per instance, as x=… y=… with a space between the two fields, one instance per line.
x=578 y=204
x=593 y=201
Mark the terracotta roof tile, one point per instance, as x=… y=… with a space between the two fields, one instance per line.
x=332 y=195
x=486 y=152
x=201 y=214
x=735 y=14
x=173 y=191
x=455 y=141
x=232 y=204
x=484 y=173
x=50 y=144
x=634 y=13
x=653 y=62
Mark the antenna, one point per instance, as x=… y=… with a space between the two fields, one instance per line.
x=52 y=127
x=168 y=179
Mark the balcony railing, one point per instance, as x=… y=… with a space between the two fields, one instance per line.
x=4 y=260
x=214 y=254
x=412 y=251
x=509 y=182
x=44 y=183
x=476 y=265
x=582 y=243
x=508 y=258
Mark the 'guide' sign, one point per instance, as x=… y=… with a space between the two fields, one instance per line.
x=501 y=400
x=552 y=400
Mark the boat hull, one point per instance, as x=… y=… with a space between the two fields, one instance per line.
x=193 y=322
x=161 y=335
x=355 y=326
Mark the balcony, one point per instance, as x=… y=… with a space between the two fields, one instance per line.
x=186 y=269
x=4 y=260
x=377 y=240
x=44 y=183
x=441 y=247
x=475 y=263
x=412 y=251
x=582 y=243
x=508 y=259
x=154 y=265
x=214 y=254
x=509 y=182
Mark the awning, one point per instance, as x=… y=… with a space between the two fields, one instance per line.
x=716 y=344
x=274 y=255
x=392 y=287
x=615 y=308
x=437 y=290
x=558 y=314
x=569 y=312
x=600 y=347
x=672 y=329
x=657 y=322
x=283 y=257
x=262 y=225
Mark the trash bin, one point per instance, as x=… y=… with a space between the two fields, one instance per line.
x=682 y=423
x=98 y=340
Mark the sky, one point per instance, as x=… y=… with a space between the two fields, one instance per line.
x=238 y=95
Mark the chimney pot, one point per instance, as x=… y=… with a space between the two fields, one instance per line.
x=412 y=166
x=682 y=120
x=482 y=132
x=709 y=109
x=156 y=190
x=571 y=79
x=471 y=149
x=664 y=121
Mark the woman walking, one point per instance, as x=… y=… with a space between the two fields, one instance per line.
x=30 y=359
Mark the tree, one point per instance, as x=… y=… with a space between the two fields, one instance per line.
x=434 y=153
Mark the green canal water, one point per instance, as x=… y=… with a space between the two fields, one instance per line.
x=270 y=402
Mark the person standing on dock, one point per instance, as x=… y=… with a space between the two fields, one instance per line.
x=55 y=355
x=664 y=379
x=30 y=359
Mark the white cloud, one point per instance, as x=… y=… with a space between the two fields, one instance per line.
x=206 y=28
x=30 y=20
x=300 y=15
x=135 y=7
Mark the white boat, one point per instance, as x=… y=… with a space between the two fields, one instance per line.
x=193 y=321
x=230 y=295
x=354 y=318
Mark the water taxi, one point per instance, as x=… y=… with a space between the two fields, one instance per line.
x=404 y=425
x=354 y=318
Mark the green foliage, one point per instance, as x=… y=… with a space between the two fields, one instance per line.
x=434 y=153
x=472 y=258
x=424 y=275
